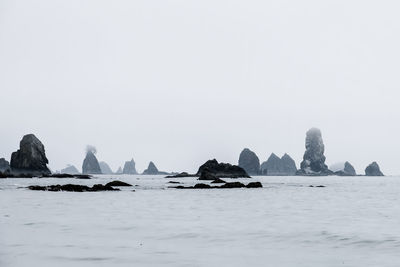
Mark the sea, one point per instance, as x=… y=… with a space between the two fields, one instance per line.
x=350 y=221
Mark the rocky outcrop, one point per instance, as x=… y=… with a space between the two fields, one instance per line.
x=249 y=161
x=4 y=166
x=90 y=164
x=276 y=166
x=70 y=169
x=119 y=171
x=151 y=169
x=129 y=167
x=314 y=160
x=222 y=170
x=117 y=183
x=73 y=188
x=105 y=168
x=373 y=170
x=224 y=186
x=343 y=169
x=30 y=158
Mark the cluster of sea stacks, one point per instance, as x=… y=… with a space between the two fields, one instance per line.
x=31 y=159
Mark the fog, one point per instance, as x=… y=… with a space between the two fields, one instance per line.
x=180 y=82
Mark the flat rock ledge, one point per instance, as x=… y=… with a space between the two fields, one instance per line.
x=73 y=188
x=224 y=186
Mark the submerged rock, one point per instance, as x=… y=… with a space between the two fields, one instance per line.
x=276 y=166
x=222 y=170
x=373 y=170
x=70 y=169
x=4 y=165
x=105 y=168
x=30 y=158
x=314 y=160
x=90 y=164
x=224 y=186
x=249 y=161
x=343 y=169
x=254 y=185
x=129 y=167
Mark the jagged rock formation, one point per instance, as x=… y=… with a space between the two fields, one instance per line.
x=343 y=169
x=105 y=169
x=314 y=160
x=249 y=161
x=119 y=171
x=70 y=169
x=30 y=158
x=151 y=169
x=373 y=170
x=276 y=166
x=129 y=167
x=222 y=170
x=4 y=165
x=91 y=164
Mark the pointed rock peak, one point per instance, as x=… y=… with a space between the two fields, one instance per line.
x=249 y=161
x=273 y=156
x=373 y=169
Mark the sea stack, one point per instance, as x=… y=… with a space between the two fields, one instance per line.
x=151 y=169
x=105 y=168
x=4 y=165
x=30 y=158
x=343 y=169
x=90 y=163
x=314 y=160
x=129 y=167
x=70 y=169
x=249 y=161
x=373 y=170
x=275 y=166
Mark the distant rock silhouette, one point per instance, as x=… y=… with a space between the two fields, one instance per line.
x=4 y=165
x=129 y=167
x=30 y=158
x=90 y=164
x=276 y=166
x=314 y=160
x=70 y=169
x=222 y=170
x=119 y=171
x=105 y=168
x=343 y=169
x=151 y=169
x=373 y=170
x=249 y=161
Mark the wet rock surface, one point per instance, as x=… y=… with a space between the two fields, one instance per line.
x=73 y=188
x=117 y=183
x=224 y=186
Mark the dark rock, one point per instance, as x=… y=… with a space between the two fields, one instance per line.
x=70 y=169
x=129 y=167
x=105 y=168
x=276 y=166
x=173 y=182
x=205 y=175
x=202 y=186
x=249 y=161
x=318 y=186
x=90 y=164
x=117 y=183
x=343 y=169
x=151 y=169
x=82 y=176
x=373 y=170
x=30 y=158
x=222 y=170
x=4 y=166
x=232 y=185
x=218 y=181
x=73 y=188
x=254 y=185
x=314 y=160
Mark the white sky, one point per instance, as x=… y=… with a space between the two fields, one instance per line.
x=180 y=82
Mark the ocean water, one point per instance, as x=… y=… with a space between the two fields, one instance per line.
x=353 y=221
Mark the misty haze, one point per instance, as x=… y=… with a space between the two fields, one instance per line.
x=199 y=133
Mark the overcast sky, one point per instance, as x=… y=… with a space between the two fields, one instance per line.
x=180 y=82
